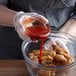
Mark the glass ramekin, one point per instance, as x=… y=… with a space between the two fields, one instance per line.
x=35 y=69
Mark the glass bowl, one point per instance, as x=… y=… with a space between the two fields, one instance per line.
x=35 y=69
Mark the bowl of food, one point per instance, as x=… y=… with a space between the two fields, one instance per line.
x=57 y=57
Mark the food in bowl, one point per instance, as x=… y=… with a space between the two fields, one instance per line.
x=52 y=57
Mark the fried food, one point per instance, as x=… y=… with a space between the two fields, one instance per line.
x=56 y=57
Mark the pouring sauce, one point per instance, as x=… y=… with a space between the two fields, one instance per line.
x=36 y=30
x=38 y=33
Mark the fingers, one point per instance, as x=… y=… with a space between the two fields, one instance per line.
x=59 y=42
x=24 y=36
x=38 y=16
x=62 y=45
x=48 y=45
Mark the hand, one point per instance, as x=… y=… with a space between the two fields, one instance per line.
x=60 y=40
x=19 y=26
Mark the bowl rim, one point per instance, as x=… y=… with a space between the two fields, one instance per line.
x=56 y=68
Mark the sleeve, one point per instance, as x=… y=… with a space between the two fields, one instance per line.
x=73 y=15
x=4 y=2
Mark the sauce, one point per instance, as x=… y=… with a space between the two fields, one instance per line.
x=37 y=33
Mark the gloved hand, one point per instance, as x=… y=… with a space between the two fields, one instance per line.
x=59 y=39
x=20 y=27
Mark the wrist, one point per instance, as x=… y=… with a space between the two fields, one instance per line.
x=69 y=27
x=17 y=16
